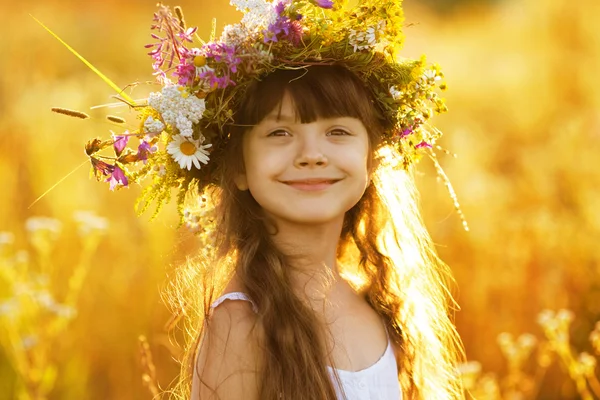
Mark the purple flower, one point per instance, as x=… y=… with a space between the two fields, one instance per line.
x=187 y=35
x=117 y=176
x=214 y=81
x=144 y=149
x=120 y=143
x=295 y=35
x=169 y=48
x=224 y=53
x=323 y=3
x=282 y=24
x=102 y=167
x=406 y=132
x=185 y=72
x=283 y=28
x=423 y=144
x=280 y=8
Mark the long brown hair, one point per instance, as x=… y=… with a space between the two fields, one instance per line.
x=384 y=245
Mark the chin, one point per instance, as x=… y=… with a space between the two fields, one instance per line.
x=312 y=219
x=308 y=216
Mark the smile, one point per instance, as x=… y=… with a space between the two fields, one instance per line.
x=311 y=186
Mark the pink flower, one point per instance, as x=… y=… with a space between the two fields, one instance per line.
x=323 y=3
x=117 y=176
x=423 y=144
x=144 y=149
x=120 y=143
x=185 y=72
x=187 y=35
x=102 y=167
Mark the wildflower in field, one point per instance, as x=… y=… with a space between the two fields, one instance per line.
x=63 y=311
x=89 y=222
x=586 y=364
x=44 y=298
x=35 y=224
x=469 y=373
x=29 y=341
x=8 y=308
x=6 y=238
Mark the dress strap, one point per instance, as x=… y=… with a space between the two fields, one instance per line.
x=234 y=296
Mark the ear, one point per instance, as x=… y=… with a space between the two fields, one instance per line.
x=241 y=182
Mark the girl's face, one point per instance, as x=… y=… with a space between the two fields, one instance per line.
x=305 y=173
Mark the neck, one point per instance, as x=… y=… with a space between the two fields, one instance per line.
x=313 y=249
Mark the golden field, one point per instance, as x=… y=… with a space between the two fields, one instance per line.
x=524 y=121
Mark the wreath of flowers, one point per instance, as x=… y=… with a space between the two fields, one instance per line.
x=202 y=83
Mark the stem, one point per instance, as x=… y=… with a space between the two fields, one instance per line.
x=594 y=385
x=539 y=377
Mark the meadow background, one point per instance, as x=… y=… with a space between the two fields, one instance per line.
x=524 y=121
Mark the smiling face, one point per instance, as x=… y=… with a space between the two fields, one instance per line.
x=301 y=146
x=305 y=173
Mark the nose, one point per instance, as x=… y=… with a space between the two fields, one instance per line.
x=310 y=153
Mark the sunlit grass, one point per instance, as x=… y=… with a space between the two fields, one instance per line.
x=523 y=120
x=528 y=358
x=33 y=315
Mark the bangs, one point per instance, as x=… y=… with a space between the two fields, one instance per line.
x=316 y=92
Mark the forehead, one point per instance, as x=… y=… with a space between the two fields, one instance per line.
x=287 y=113
x=284 y=111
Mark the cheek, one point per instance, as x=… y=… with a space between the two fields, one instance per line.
x=263 y=166
x=354 y=160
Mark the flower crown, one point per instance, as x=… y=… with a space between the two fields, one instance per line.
x=181 y=125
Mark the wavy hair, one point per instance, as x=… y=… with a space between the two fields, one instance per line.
x=385 y=251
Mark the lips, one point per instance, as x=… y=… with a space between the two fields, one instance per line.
x=314 y=184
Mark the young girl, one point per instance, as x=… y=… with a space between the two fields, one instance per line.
x=299 y=129
x=304 y=189
x=304 y=205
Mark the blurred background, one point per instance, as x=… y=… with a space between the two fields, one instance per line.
x=77 y=290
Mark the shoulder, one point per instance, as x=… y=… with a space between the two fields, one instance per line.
x=228 y=363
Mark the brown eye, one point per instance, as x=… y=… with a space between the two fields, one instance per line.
x=279 y=132
x=338 y=132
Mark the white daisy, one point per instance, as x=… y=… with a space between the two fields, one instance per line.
x=186 y=151
x=430 y=76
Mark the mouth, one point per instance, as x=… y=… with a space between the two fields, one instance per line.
x=312 y=184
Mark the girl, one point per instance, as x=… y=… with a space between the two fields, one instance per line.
x=299 y=129
x=335 y=290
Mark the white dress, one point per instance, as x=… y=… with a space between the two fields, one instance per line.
x=377 y=382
